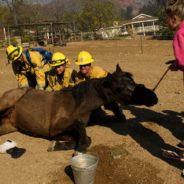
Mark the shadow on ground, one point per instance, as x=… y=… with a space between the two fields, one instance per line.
x=145 y=137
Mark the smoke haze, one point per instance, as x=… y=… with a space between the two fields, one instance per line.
x=135 y=4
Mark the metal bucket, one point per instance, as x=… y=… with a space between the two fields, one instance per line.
x=84 y=168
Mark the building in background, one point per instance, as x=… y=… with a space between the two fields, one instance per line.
x=142 y=24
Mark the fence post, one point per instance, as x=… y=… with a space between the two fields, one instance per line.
x=81 y=36
x=141 y=44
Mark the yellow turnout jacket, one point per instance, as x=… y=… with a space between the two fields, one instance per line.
x=95 y=72
x=58 y=82
x=26 y=72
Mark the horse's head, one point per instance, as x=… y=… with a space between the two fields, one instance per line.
x=143 y=96
x=124 y=90
x=120 y=86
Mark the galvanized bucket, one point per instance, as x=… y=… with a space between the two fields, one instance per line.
x=84 y=168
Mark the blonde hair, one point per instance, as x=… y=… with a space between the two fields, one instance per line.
x=175 y=7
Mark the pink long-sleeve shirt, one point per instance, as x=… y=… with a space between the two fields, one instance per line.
x=178 y=46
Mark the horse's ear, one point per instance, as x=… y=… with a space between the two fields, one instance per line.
x=118 y=69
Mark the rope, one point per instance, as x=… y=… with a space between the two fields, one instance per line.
x=161 y=79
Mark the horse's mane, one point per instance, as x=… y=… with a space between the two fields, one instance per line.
x=129 y=75
x=83 y=88
x=80 y=90
x=81 y=85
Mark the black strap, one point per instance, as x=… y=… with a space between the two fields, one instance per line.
x=26 y=52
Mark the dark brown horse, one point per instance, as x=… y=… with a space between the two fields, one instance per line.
x=63 y=115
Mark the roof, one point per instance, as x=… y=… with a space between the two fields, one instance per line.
x=139 y=19
x=141 y=16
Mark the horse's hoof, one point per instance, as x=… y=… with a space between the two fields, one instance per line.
x=76 y=153
x=83 y=148
x=51 y=146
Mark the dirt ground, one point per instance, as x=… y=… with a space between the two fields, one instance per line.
x=129 y=152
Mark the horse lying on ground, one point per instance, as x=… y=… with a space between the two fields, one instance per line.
x=63 y=115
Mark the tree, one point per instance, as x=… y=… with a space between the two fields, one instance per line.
x=14 y=6
x=95 y=14
x=4 y=14
x=128 y=12
x=165 y=32
x=157 y=9
x=85 y=15
x=153 y=7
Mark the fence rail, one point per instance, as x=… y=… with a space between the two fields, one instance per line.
x=82 y=36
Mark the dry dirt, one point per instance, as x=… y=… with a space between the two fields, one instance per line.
x=129 y=152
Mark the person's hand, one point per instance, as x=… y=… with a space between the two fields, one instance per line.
x=172 y=65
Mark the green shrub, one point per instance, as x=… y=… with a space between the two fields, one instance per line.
x=27 y=38
x=13 y=41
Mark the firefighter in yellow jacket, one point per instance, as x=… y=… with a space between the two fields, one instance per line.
x=87 y=71
x=28 y=73
x=60 y=76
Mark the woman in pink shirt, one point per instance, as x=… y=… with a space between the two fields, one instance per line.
x=175 y=21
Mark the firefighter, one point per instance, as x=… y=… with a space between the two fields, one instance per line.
x=86 y=70
x=29 y=72
x=60 y=76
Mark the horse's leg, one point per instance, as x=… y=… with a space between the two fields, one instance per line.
x=9 y=98
x=83 y=141
x=58 y=145
x=97 y=114
x=78 y=140
x=7 y=121
x=65 y=141
x=114 y=107
x=6 y=127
